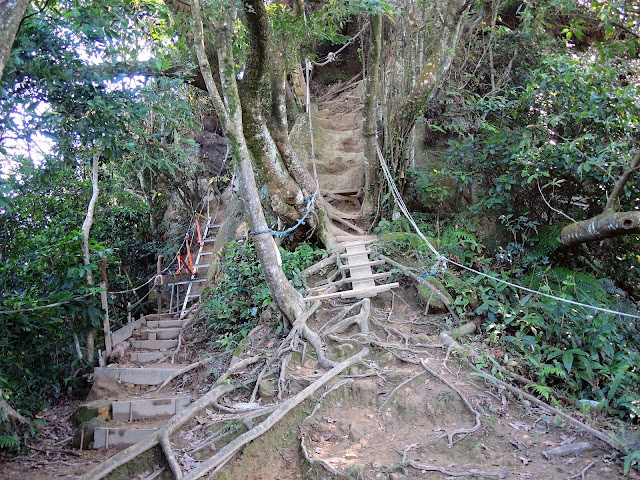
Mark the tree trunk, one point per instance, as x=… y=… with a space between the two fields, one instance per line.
x=284 y=295
x=11 y=13
x=369 y=130
x=403 y=103
x=605 y=225
x=86 y=229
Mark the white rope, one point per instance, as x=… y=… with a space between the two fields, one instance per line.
x=442 y=259
x=313 y=150
x=331 y=56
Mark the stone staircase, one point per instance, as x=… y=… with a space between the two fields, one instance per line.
x=124 y=393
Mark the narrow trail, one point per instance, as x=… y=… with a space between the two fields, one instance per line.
x=366 y=385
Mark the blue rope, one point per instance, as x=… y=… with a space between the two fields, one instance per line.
x=310 y=201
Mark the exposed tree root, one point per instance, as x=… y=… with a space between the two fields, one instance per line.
x=592 y=431
x=184 y=370
x=459 y=431
x=398 y=387
x=321 y=461
x=405 y=270
x=361 y=319
x=221 y=387
x=434 y=468
x=224 y=454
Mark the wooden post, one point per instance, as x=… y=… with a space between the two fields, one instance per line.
x=159 y=287
x=105 y=306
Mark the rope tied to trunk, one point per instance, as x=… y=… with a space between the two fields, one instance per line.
x=310 y=201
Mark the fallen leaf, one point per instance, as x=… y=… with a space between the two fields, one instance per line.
x=331 y=420
x=549 y=443
x=524 y=460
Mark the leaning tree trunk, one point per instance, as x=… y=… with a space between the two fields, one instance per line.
x=288 y=300
x=605 y=225
x=609 y=223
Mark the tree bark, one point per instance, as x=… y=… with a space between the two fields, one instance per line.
x=86 y=229
x=288 y=300
x=11 y=13
x=614 y=197
x=605 y=225
x=369 y=130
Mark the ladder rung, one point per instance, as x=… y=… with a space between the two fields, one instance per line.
x=347 y=255
x=202 y=265
x=366 y=264
x=186 y=282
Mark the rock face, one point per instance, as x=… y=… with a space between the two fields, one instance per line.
x=337 y=138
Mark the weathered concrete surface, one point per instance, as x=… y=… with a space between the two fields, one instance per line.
x=147 y=408
x=119 y=437
x=138 y=376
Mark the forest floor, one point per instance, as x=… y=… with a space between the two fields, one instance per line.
x=393 y=422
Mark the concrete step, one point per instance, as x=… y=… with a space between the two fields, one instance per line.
x=166 y=323
x=153 y=344
x=161 y=316
x=119 y=437
x=160 y=333
x=148 y=408
x=139 y=376
x=147 y=357
x=125 y=332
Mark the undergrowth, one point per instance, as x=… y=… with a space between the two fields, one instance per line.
x=569 y=351
x=234 y=304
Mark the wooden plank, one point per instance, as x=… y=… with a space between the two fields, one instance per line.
x=347 y=255
x=359 y=242
x=355 y=238
x=363 y=264
x=347 y=191
x=368 y=292
x=359 y=267
x=374 y=276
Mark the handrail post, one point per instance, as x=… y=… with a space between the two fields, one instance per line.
x=105 y=305
x=159 y=287
x=188 y=242
x=200 y=242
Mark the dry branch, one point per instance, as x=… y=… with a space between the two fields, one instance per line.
x=596 y=433
x=184 y=370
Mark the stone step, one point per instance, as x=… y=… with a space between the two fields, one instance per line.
x=119 y=437
x=153 y=344
x=139 y=376
x=166 y=323
x=148 y=408
x=161 y=316
x=126 y=332
x=160 y=333
x=147 y=357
